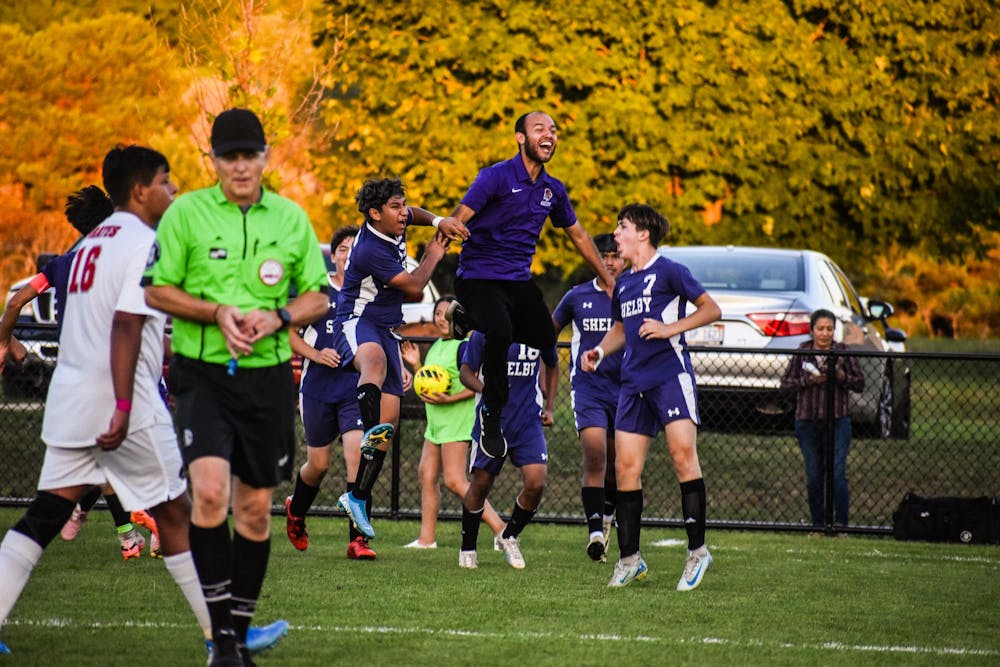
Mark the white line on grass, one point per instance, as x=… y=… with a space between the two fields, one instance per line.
x=838 y=647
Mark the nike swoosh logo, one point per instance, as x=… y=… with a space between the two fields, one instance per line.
x=515 y=190
x=283 y=460
x=690 y=582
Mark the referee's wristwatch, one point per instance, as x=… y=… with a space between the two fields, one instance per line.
x=284 y=316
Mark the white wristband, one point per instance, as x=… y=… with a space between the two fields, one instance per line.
x=600 y=356
x=436 y=221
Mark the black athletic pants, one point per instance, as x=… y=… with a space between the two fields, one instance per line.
x=505 y=311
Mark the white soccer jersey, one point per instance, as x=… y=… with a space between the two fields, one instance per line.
x=104 y=278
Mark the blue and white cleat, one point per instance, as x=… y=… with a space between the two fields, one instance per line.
x=3 y=649
x=266 y=636
x=694 y=569
x=628 y=570
x=357 y=511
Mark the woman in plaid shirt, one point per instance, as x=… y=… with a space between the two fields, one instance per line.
x=810 y=376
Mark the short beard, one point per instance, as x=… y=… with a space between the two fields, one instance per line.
x=533 y=155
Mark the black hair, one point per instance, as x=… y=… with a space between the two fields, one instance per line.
x=606 y=243
x=125 y=166
x=88 y=207
x=376 y=192
x=646 y=217
x=521 y=124
x=340 y=235
x=821 y=314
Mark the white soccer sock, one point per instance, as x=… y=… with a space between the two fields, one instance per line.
x=181 y=568
x=18 y=556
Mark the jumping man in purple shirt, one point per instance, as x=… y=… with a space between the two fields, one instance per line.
x=651 y=308
x=504 y=211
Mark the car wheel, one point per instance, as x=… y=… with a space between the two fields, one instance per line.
x=901 y=410
x=885 y=406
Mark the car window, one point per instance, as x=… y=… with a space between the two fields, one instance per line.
x=759 y=273
x=828 y=278
x=853 y=302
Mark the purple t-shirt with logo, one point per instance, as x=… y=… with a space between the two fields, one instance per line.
x=510 y=211
x=660 y=290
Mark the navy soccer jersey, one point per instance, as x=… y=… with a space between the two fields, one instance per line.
x=588 y=308
x=510 y=211
x=56 y=272
x=660 y=290
x=374 y=260
x=330 y=385
x=521 y=417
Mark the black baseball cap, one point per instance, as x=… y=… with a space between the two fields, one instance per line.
x=237 y=130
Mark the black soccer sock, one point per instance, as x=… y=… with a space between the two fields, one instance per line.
x=693 y=504
x=249 y=567
x=352 y=531
x=519 y=518
x=212 y=551
x=470 y=528
x=89 y=499
x=303 y=497
x=370 y=402
x=629 y=513
x=45 y=518
x=593 y=506
x=118 y=513
x=368 y=471
x=610 y=497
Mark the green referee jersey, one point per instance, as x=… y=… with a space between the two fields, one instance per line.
x=208 y=247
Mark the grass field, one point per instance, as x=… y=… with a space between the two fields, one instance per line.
x=768 y=599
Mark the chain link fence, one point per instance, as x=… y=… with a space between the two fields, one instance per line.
x=928 y=423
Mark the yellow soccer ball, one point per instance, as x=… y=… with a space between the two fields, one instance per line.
x=432 y=379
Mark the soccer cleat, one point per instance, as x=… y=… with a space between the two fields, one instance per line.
x=266 y=636
x=458 y=323
x=491 y=440
x=295 y=526
x=627 y=572
x=694 y=569
x=497 y=539
x=597 y=548
x=144 y=519
x=72 y=527
x=417 y=544
x=224 y=653
x=358 y=549
x=377 y=435
x=358 y=512
x=132 y=543
x=3 y=649
x=155 y=550
x=468 y=560
x=512 y=552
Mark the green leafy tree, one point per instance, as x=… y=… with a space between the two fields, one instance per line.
x=846 y=127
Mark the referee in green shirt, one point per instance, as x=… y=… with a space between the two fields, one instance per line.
x=222 y=265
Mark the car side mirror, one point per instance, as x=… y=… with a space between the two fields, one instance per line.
x=879 y=310
x=895 y=335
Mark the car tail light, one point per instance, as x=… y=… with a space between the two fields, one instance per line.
x=781 y=324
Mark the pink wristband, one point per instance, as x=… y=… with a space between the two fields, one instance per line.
x=123 y=405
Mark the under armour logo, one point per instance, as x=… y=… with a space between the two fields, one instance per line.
x=587 y=305
x=674 y=412
x=188 y=437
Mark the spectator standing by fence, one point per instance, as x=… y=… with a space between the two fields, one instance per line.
x=813 y=376
x=450 y=418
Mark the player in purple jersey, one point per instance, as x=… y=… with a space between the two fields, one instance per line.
x=369 y=308
x=329 y=407
x=522 y=424
x=651 y=308
x=595 y=396
x=504 y=211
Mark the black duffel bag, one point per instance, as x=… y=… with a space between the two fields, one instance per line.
x=968 y=520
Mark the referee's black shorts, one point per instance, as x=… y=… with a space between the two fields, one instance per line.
x=247 y=418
